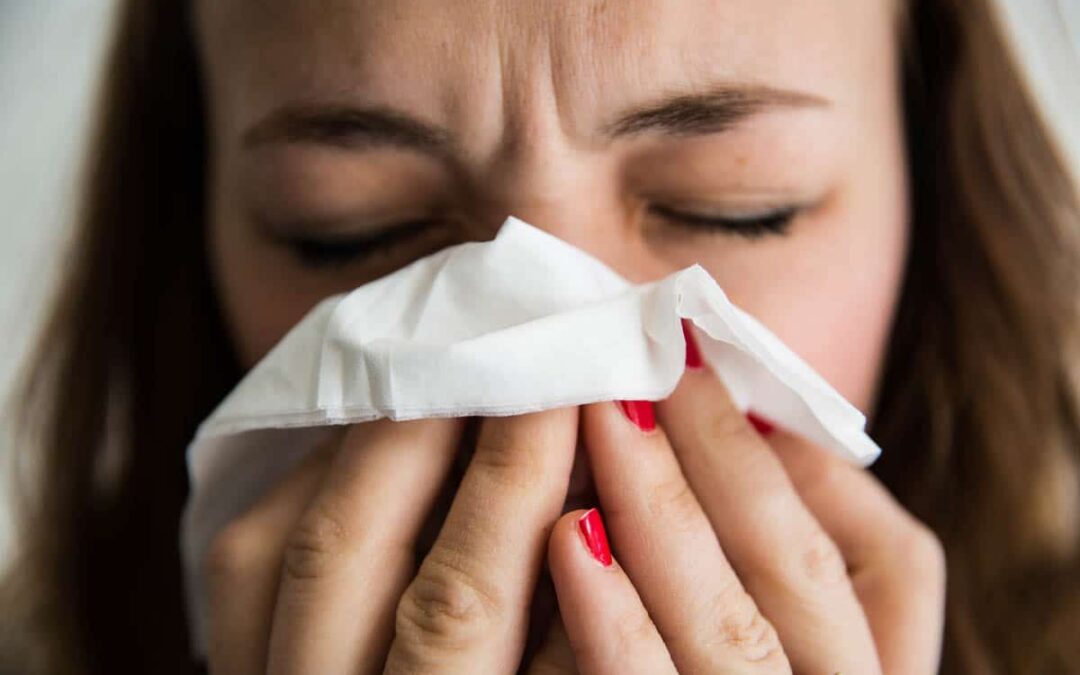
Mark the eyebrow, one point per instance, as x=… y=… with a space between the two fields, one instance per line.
x=347 y=126
x=713 y=111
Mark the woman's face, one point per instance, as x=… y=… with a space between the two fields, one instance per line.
x=759 y=139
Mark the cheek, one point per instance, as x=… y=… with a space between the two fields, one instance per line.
x=255 y=306
x=262 y=292
x=842 y=332
x=831 y=297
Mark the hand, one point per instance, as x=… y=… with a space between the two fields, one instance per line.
x=734 y=556
x=320 y=575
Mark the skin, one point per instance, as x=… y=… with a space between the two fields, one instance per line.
x=320 y=577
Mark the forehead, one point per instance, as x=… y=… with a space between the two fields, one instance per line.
x=467 y=62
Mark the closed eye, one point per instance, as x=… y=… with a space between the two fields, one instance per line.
x=752 y=226
x=322 y=251
x=328 y=252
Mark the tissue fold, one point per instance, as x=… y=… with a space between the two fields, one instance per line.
x=522 y=323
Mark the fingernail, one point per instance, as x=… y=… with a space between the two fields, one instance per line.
x=592 y=531
x=640 y=413
x=693 y=354
x=763 y=426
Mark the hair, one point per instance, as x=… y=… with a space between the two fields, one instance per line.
x=978 y=406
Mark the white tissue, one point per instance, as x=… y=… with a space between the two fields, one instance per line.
x=522 y=323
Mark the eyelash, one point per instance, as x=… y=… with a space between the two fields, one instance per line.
x=325 y=253
x=318 y=253
x=772 y=222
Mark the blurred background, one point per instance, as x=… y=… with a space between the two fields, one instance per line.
x=50 y=57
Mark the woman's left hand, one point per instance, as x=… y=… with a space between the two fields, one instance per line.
x=740 y=555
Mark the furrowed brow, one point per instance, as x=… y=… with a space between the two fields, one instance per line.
x=713 y=111
x=348 y=127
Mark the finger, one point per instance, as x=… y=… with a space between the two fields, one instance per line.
x=555 y=656
x=610 y=630
x=786 y=560
x=467 y=609
x=351 y=554
x=242 y=570
x=671 y=554
x=897 y=565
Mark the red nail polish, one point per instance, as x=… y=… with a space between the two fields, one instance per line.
x=763 y=427
x=640 y=413
x=693 y=354
x=592 y=531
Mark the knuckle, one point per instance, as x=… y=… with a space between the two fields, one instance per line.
x=819 y=561
x=741 y=630
x=675 y=503
x=234 y=551
x=315 y=544
x=635 y=628
x=520 y=454
x=446 y=608
x=753 y=637
x=726 y=425
x=512 y=464
x=631 y=628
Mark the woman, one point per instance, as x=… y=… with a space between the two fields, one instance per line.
x=870 y=179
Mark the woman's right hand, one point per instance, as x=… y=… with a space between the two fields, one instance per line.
x=320 y=575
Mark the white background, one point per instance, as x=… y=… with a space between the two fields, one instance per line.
x=49 y=58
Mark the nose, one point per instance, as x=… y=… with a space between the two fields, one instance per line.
x=575 y=197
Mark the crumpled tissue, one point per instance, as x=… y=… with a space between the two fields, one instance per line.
x=522 y=323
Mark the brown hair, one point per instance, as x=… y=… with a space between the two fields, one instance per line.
x=978 y=398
